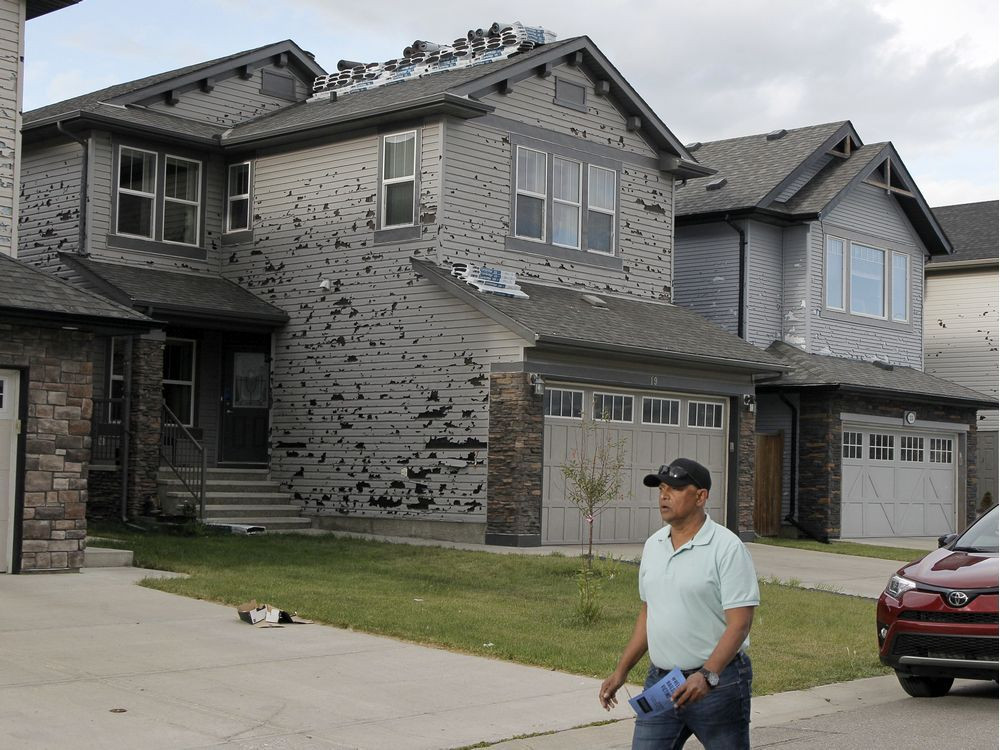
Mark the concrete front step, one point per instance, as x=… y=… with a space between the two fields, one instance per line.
x=236 y=498
x=234 y=512
x=103 y=557
x=226 y=485
x=277 y=523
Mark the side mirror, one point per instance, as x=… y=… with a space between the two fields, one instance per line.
x=945 y=539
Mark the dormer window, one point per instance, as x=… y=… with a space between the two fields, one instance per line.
x=398 y=179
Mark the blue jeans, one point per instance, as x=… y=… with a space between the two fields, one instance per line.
x=720 y=720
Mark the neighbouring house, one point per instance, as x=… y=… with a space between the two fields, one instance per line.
x=390 y=303
x=812 y=245
x=961 y=320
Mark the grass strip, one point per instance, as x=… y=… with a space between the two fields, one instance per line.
x=902 y=554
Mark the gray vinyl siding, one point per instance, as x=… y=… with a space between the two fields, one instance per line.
x=476 y=218
x=868 y=215
x=707 y=269
x=384 y=371
x=50 y=201
x=795 y=278
x=11 y=54
x=764 y=283
x=231 y=101
x=960 y=331
x=774 y=416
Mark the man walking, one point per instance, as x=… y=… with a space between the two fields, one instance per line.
x=698 y=589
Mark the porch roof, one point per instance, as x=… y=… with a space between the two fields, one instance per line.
x=173 y=293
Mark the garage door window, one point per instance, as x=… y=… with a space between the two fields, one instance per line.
x=562 y=403
x=703 y=414
x=613 y=407
x=911 y=448
x=661 y=411
x=940 y=450
x=852 y=445
x=881 y=447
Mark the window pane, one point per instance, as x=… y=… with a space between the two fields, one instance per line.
x=398 y=204
x=180 y=223
x=398 y=156
x=566 y=180
x=239 y=179
x=867 y=280
x=181 y=179
x=599 y=231
x=239 y=214
x=137 y=171
x=178 y=360
x=601 y=189
x=530 y=171
x=135 y=215
x=528 y=217
x=835 y=273
x=178 y=399
x=565 y=224
x=900 y=286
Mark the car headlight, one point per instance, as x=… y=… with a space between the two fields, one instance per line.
x=898 y=586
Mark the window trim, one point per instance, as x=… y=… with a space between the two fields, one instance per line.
x=182 y=201
x=549 y=391
x=382 y=181
x=642 y=411
x=194 y=376
x=852 y=446
x=722 y=414
x=564 y=202
x=119 y=190
x=544 y=196
x=611 y=420
x=230 y=197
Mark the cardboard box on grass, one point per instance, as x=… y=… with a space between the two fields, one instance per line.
x=264 y=615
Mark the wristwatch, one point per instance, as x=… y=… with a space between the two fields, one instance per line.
x=710 y=677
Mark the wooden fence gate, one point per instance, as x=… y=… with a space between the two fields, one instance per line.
x=767 y=484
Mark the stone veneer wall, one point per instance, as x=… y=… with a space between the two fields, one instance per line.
x=514 y=476
x=746 y=463
x=820 y=436
x=144 y=445
x=57 y=442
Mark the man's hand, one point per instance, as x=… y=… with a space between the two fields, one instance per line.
x=693 y=690
x=608 y=689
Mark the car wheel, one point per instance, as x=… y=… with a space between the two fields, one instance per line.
x=924 y=687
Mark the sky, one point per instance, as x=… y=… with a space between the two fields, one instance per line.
x=920 y=73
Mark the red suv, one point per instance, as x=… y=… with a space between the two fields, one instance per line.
x=937 y=618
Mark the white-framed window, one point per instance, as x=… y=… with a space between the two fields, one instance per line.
x=834 y=273
x=602 y=193
x=562 y=402
x=661 y=410
x=179 y=357
x=613 y=407
x=881 y=446
x=900 y=292
x=399 y=158
x=705 y=414
x=940 y=452
x=566 y=202
x=911 y=448
x=867 y=281
x=116 y=377
x=181 y=200
x=530 y=194
x=136 y=192
x=238 y=197
x=852 y=445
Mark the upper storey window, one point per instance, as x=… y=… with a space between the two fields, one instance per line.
x=181 y=200
x=866 y=281
x=532 y=190
x=238 y=197
x=398 y=179
x=136 y=192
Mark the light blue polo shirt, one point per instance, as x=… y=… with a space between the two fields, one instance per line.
x=688 y=590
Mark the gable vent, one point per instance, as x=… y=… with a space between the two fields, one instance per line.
x=716 y=184
x=776 y=134
x=593 y=299
x=693 y=146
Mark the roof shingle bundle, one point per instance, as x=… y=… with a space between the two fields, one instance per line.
x=498 y=42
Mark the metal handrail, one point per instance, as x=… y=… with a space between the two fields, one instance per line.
x=184 y=455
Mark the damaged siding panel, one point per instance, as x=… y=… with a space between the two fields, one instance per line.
x=764 y=283
x=707 y=268
x=796 y=309
x=430 y=173
x=49 y=215
x=11 y=45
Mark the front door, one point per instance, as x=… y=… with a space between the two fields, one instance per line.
x=9 y=382
x=245 y=405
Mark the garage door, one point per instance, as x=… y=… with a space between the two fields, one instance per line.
x=897 y=482
x=655 y=428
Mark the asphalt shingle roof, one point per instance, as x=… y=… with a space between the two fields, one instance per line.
x=972 y=229
x=817 y=370
x=28 y=290
x=204 y=294
x=562 y=315
x=831 y=179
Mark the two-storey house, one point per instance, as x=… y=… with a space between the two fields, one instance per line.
x=811 y=245
x=326 y=268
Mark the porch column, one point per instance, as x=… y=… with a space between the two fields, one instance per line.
x=746 y=467
x=144 y=421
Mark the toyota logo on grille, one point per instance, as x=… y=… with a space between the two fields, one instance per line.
x=958 y=598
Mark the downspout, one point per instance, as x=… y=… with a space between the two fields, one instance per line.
x=741 y=322
x=84 y=181
x=793 y=476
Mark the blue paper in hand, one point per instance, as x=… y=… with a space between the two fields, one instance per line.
x=656 y=698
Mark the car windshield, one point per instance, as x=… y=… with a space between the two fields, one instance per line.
x=982 y=536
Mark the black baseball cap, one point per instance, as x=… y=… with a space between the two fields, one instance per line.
x=680 y=473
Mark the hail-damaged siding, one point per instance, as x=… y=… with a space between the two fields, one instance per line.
x=796 y=312
x=50 y=201
x=764 y=283
x=231 y=100
x=11 y=54
x=381 y=382
x=868 y=215
x=707 y=267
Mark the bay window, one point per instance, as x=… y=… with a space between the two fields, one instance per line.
x=864 y=280
x=867 y=281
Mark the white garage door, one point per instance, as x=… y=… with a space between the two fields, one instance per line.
x=656 y=428
x=897 y=482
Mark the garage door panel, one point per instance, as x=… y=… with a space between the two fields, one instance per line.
x=877 y=519
x=851 y=519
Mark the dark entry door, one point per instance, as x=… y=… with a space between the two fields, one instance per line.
x=767 y=484
x=245 y=405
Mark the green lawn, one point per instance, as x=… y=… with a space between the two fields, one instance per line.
x=846 y=548
x=514 y=607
